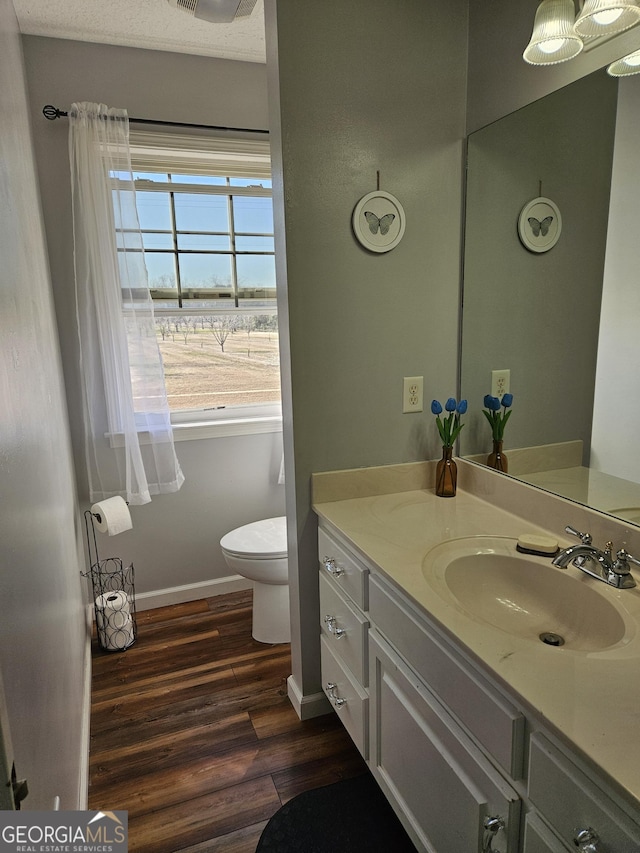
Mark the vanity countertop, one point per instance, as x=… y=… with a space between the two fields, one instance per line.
x=591 y=699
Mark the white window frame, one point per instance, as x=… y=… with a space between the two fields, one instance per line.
x=246 y=157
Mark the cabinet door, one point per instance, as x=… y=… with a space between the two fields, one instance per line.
x=571 y=800
x=441 y=786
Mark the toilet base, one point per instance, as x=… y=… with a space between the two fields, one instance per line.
x=271 y=620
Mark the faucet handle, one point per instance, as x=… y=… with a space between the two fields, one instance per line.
x=585 y=538
x=619 y=574
x=625 y=557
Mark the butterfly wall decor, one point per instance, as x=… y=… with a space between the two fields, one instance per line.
x=378 y=221
x=383 y=222
x=539 y=225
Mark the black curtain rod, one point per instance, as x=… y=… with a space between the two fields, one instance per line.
x=52 y=113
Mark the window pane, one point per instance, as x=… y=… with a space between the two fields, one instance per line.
x=265 y=183
x=220 y=360
x=256 y=271
x=253 y=215
x=161 y=270
x=204 y=242
x=204 y=271
x=196 y=212
x=211 y=180
x=154 y=212
x=254 y=244
x=157 y=241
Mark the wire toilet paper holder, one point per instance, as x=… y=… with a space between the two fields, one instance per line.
x=113 y=590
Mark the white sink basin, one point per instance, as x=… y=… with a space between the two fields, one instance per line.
x=628 y=513
x=526 y=596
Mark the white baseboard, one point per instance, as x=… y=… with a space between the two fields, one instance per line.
x=306 y=707
x=190 y=592
x=85 y=738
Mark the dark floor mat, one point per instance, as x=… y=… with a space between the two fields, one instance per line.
x=349 y=816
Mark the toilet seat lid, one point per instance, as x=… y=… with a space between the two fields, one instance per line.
x=260 y=539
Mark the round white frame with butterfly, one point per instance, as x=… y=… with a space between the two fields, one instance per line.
x=379 y=221
x=540 y=224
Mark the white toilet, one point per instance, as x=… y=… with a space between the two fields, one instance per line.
x=258 y=551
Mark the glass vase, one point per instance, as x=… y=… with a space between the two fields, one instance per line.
x=446 y=474
x=497 y=459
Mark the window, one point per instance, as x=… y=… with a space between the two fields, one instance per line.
x=206 y=218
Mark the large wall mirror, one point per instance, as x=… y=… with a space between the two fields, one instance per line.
x=565 y=322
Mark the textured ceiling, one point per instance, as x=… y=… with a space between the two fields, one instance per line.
x=150 y=24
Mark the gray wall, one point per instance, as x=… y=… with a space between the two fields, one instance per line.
x=356 y=88
x=229 y=481
x=538 y=314
x=43 y=636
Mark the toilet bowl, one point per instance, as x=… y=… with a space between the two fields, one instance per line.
x=258 y=551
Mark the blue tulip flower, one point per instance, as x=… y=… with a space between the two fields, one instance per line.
x=450 y=427
x=497 y=419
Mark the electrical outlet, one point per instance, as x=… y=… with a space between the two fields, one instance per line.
x=500 y=382
x=412 y=394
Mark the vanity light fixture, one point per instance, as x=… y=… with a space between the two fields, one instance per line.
x=554 y=38
x=605 y=17
x=558 y=35
x=629 y=64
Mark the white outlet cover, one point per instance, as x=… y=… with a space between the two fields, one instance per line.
x=412 y=394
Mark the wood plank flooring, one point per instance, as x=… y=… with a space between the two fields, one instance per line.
x=193 y=734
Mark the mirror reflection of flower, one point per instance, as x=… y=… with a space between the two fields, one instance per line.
x=450 y=427
x=497 y=419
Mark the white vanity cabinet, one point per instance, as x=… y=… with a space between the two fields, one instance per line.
x=343 y=643
x=436 y=779
x=465 y=766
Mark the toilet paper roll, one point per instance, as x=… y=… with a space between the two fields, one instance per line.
x=113 y=621
x=112 y=516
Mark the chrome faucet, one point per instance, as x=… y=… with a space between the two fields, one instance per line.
x=615 y=572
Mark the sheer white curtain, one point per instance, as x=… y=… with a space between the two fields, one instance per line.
x=128 y=436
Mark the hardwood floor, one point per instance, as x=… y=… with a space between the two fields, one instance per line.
x=193 y=734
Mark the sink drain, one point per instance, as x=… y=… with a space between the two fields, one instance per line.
x=552 y=639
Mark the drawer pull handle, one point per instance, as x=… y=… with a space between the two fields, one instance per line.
x=331 y=566
x=338 y=701
x=492 y=825
x=587 y=841
x=332 y=627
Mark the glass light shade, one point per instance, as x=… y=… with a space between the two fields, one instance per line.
x=553 y=39
x=629 y=64
x=604 y=17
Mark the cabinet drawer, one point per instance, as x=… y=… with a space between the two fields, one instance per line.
x=343 y=569
x=437 y=779
x=345 y=629
x=354 y=710
x=570 y=801
x=539 y=839
x=497 y=724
